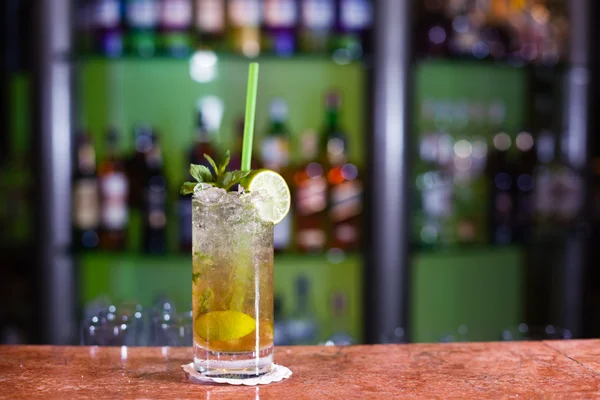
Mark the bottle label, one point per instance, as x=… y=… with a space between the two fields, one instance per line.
x=107 y=14
x=114 y=196
x=346 y=203
x=311 y=196
x=318 y=14
x=346 y=233
x=346 y=200
x=156 y=202
x=210 y=16
x=280 y=13
x=244 y=13
x=176 y=14
x=142 y=14
x=312 y=239
x=86 y=210
x=356 y=14
x=276 y=153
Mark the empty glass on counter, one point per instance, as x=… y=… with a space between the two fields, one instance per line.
x=524 y=331
x=128 y=324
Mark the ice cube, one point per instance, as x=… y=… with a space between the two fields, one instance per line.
x=253 y=197
x=210 y=195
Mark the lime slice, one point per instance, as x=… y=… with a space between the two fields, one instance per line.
x=277 y=205
x=224 y=325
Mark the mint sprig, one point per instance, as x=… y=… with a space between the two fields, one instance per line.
x=218 y=177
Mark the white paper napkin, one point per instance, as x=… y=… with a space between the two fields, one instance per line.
x=277 y=373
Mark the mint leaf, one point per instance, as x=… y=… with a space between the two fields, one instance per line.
x=218 y=177
x=225 y=163
x=205 y=301
x=228 y=179
x=195 y=277
x=214 y=165
x=187 y=188
x=200 y=173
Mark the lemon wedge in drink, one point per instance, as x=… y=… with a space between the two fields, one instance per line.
x=277 y=205
x=224 y=325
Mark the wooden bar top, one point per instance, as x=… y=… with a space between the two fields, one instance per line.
x=556 y=369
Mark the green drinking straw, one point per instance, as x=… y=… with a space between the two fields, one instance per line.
x=249 y=117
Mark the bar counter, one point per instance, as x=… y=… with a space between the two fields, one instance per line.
x=557 y=369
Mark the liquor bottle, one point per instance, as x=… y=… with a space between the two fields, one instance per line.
x=544 y=176
x=203 y=145
x=280 y=336
x=310 y=198
x=339 y=322
x=317 y=21
x=137 y=168
x=155 y=202
x=236 y=156
x=344 y=186
x=280 y=19
x=433 y=30
x=107 y=20
x=523 y=187
x=596 y=190
x=84 y=26
x=85 y=198
x=302 y=328
x=142 y=18
x=244 y=17
x=276 y=156
x=500 y=174
x=210 y=23
x=175 y=23
x=113 y=194
x=353 y=20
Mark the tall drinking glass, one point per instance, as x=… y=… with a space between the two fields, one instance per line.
x=232 y=284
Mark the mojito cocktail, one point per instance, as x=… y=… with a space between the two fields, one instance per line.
x=232 y=283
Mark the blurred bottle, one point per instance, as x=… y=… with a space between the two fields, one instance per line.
x=280 y=19
x=142 y=18
x=137 y=167
x=155 y=202
x=244 y=18
x=236 y=156
x=107 y=20
x=596 y=189
x=114 y=193
x=353 y=20
x=524 y=184
x=302 y=326
x=310 y=198
x=85 y=200
x=339 y=322
x=276 y=156
x=543 y=207
x=175 y=25
x=501 y=178
x=202 y=145
x=210 y=23
x=344 y=186
x=317 y=21
x=433 y=29
x=84 y=26
x=434 y=204
x=280 y=335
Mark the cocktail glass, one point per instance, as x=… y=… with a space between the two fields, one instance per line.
x=232 y=284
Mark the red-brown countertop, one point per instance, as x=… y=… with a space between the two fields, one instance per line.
x=568 y=369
